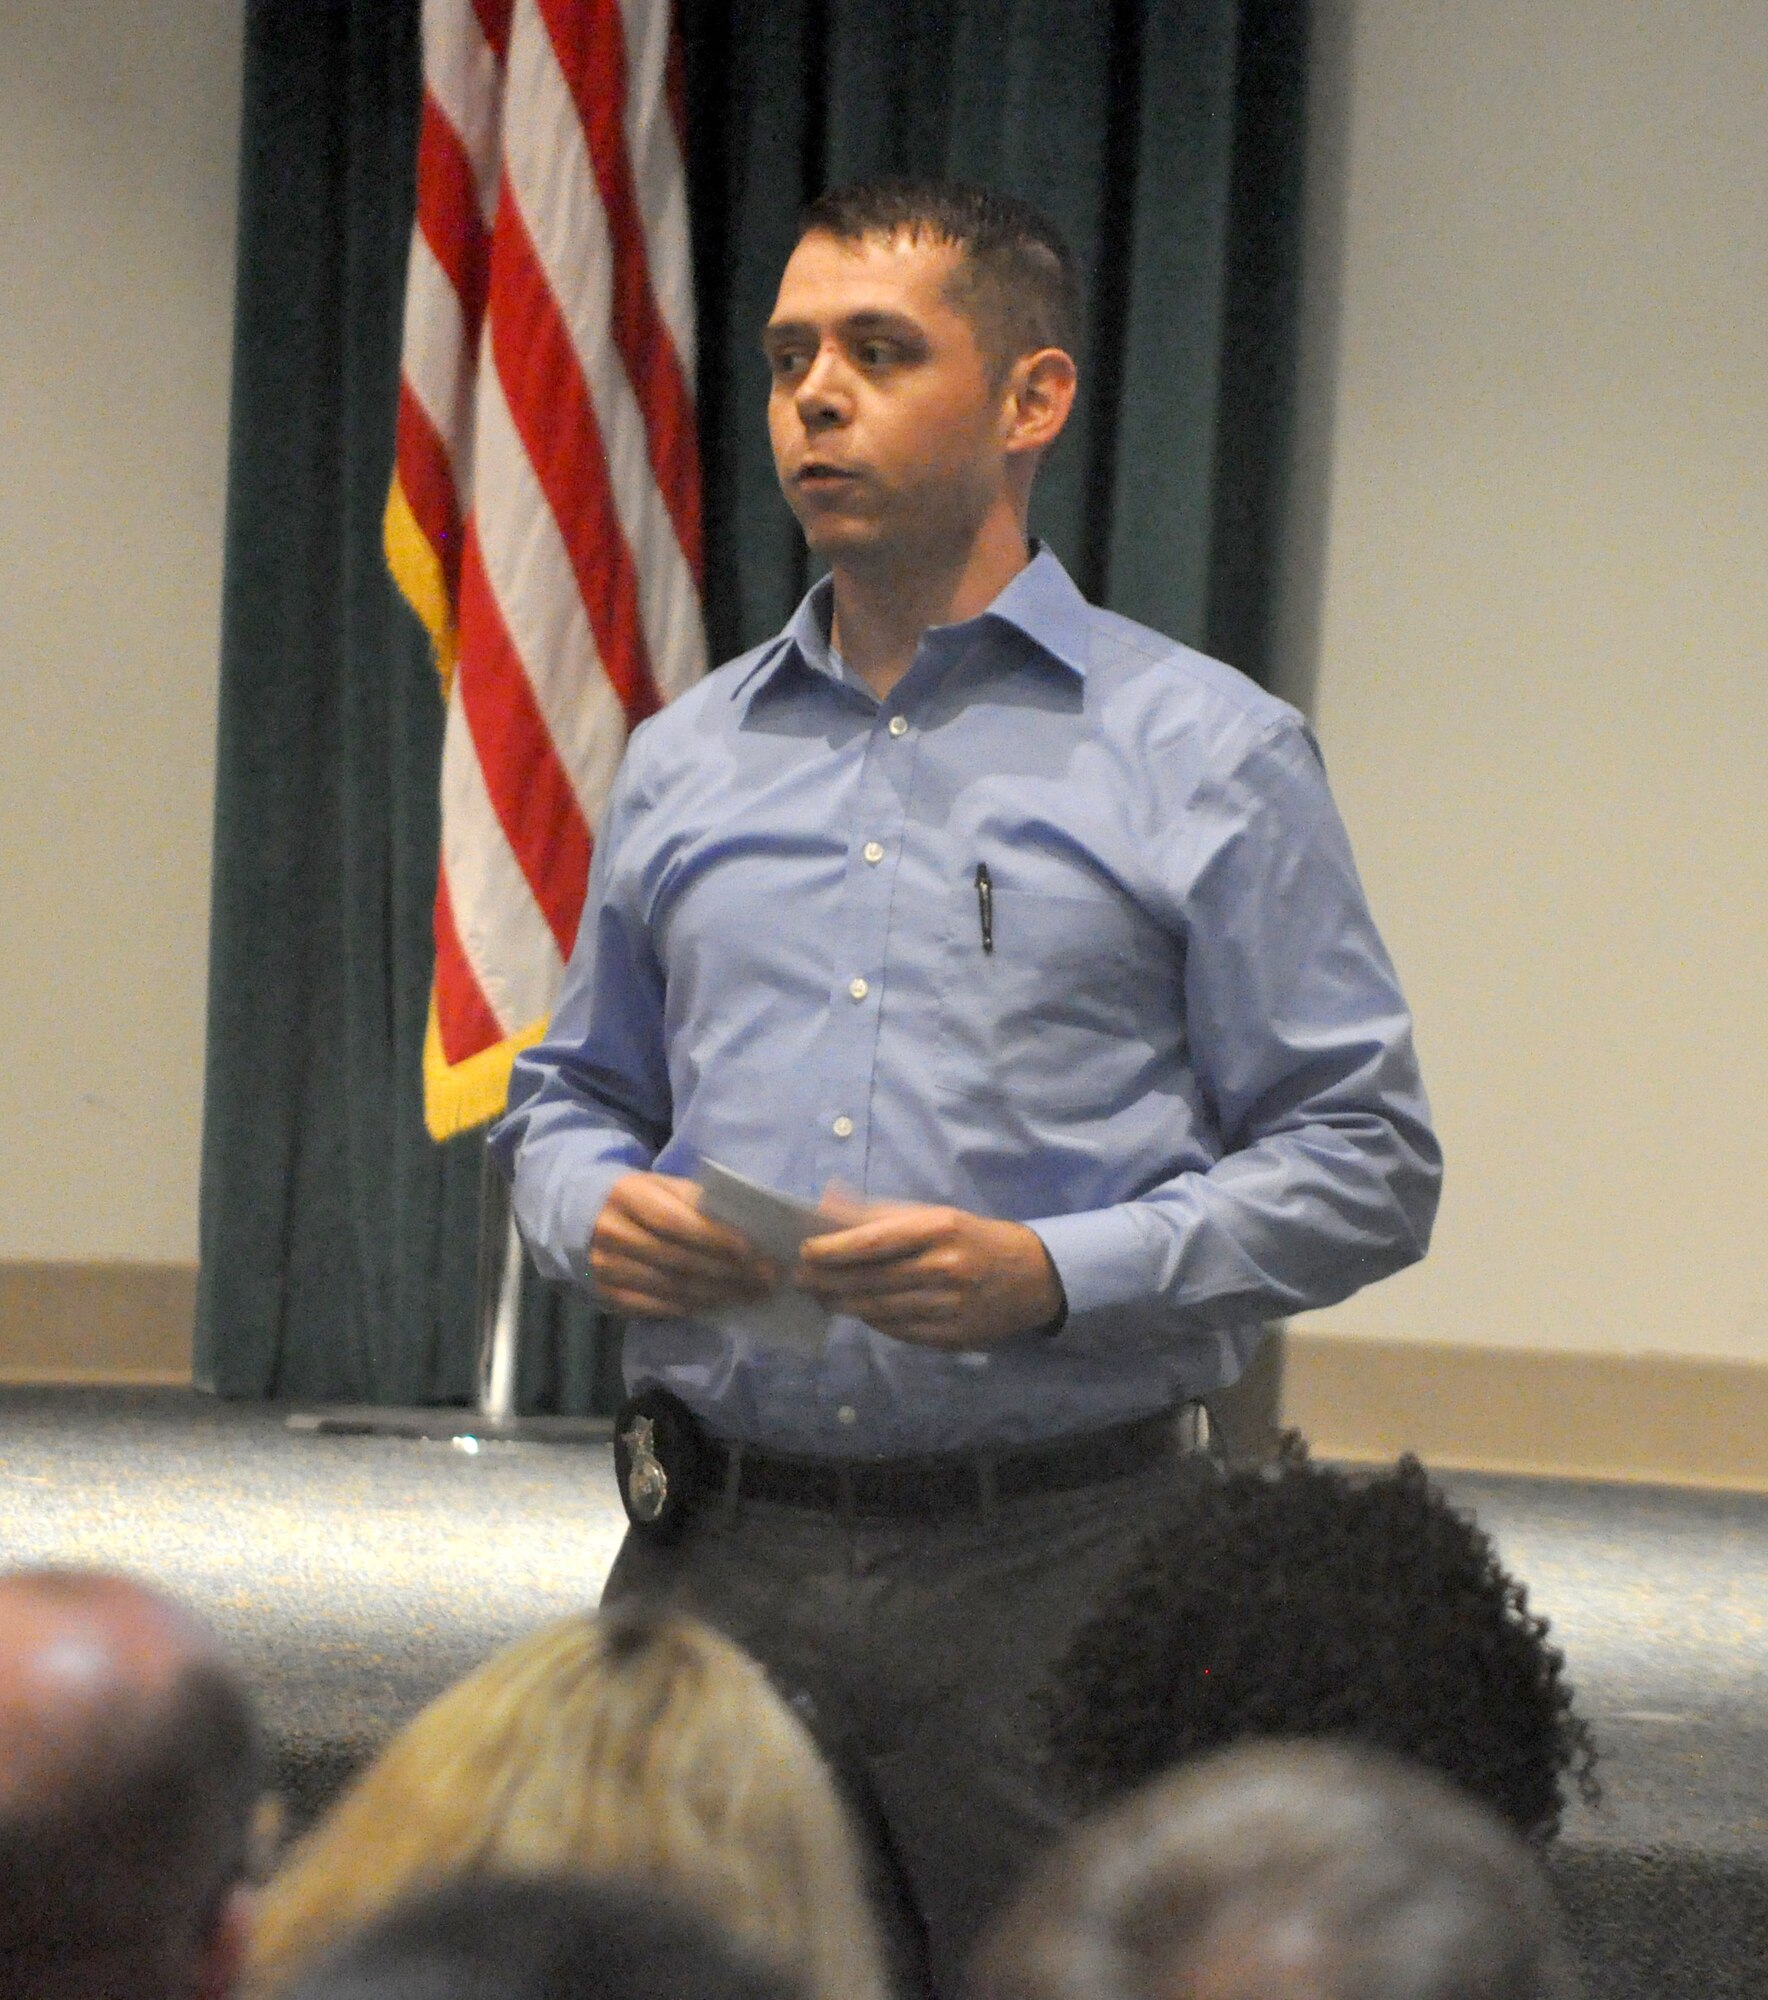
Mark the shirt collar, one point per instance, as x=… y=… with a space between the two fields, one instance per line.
x=1041 y=602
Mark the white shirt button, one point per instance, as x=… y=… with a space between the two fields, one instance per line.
x=842 y=1127
x=858 y=988
x=899 y=725
x=873 y=851
x=848 y=1414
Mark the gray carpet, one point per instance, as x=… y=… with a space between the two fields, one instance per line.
x=357 y=1576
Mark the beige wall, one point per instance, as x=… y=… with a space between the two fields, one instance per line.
x=118 y=137
x=1542 y=645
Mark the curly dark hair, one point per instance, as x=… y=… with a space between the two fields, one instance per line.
x=1303 y=1601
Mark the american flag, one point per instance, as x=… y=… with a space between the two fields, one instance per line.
x=544 y=519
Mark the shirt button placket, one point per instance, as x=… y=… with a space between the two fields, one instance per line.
x=844 y=1124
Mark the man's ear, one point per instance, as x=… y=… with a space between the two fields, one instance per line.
x=221 y=1956
x=1039 y=395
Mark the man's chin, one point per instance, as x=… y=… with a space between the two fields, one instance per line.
x=836 y=538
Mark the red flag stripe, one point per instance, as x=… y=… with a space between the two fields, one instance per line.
x=654 y=148
x=494 y=25
x=448 y=214
x=563 y=439
x=440 y=367
x=463 y=75
x=503 y=931
x=528 y=786
x=590 y=43
x=527 y=566
x=428 y=484
x=463 y=1017
x=571 y=247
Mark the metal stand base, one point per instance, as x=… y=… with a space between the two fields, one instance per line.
x=449 y=1426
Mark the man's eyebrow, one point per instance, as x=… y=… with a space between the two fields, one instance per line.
x=879 y=321
x=777 y=332
x=855 y=326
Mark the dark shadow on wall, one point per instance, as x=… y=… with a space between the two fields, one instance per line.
x=1300 y=523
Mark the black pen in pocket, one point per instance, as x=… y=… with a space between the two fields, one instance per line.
x=985 y=905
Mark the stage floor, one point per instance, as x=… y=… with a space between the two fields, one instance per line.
x=356 y=1576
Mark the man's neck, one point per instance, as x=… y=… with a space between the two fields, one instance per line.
x=881 y=613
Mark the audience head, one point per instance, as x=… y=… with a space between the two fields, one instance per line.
x=1300 y=1601
x=130 y=1775
x=541 y=1938
x=636 y=1744
x=1284 y=1872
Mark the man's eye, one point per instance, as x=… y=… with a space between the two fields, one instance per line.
x=786 y=363
x=876 y=353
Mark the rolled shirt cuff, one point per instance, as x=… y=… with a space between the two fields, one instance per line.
x=1102 y=1258
x=557 y=1223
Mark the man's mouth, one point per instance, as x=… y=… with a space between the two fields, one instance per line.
x=816 y=473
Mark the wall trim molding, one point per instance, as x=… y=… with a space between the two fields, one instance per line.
x=1653 y=1419
x=103 y=1321
x=1656 y=1419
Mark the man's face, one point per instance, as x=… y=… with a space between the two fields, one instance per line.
x=887 y=429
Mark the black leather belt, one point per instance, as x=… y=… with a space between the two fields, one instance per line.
x=939 y=1483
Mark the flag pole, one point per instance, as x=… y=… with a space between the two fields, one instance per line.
x=499 y=1296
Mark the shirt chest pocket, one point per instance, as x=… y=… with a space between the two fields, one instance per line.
x=1055 y=1017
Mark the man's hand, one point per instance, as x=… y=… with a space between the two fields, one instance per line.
x=654 y=1255
x=936 y=1276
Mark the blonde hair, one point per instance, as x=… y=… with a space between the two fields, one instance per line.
x=641 y=1746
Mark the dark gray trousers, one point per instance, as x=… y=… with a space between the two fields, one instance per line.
x=914 y=1649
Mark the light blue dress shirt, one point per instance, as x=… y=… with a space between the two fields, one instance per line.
x=1185 y=1062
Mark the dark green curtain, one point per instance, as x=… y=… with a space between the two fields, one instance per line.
x=1164 y=137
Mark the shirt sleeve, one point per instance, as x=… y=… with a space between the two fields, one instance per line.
x=1329 y=1171
x=591 y=1102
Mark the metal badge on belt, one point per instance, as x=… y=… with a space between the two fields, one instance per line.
x=658 y=1456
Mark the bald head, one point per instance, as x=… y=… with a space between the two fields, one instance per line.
x=129 y=1773
x=85 y=1658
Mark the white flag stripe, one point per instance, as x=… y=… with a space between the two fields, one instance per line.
x=506 y=938
x=553 y=186
x=529 y=571
x=675 y=630
x=461 y=74
x=439 y=369
x=658 y=171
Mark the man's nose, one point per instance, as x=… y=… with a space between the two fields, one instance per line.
x=823 y=393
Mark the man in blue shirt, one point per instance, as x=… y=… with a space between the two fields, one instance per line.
x=1037 y=937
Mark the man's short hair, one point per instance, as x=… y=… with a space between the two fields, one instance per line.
x=1303 y=1601
x=121 y=1858
x=1285 y=1868
x=1015 y=280
x=541 y=1938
